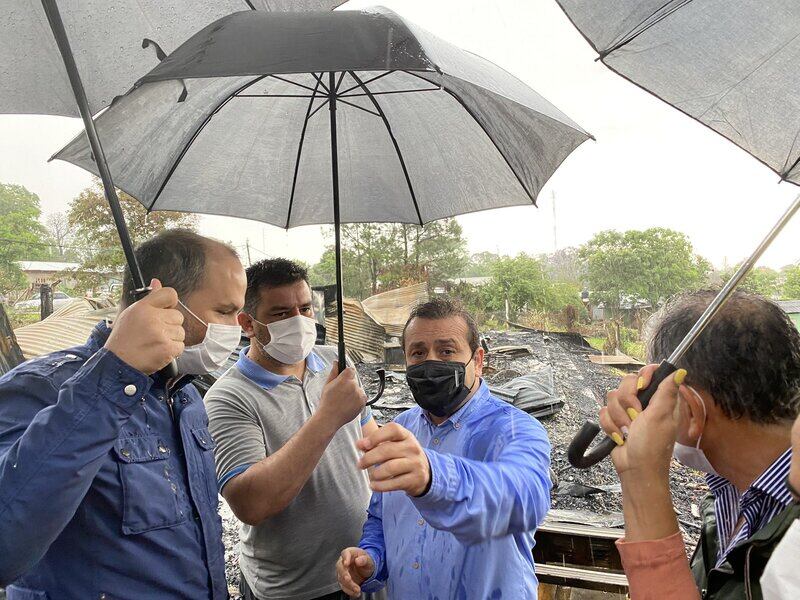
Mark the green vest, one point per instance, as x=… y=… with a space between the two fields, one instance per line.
x=738 y=577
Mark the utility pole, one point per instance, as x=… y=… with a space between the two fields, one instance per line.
x=247 y=244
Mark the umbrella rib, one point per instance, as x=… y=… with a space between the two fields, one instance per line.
x=367 y=82
x=305 y=87
x=196 y=133
x=320 y=82
x=394 y=142
x=321 y=106
x=633 y=33
x=491 y=139
x=436 y=89
x=366 y=110
x=273 y=96
x=300 y=150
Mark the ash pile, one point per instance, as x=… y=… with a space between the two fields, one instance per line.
x=551 y=376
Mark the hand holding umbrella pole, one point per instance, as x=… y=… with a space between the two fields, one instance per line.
x=60 y=35
x=577 y=452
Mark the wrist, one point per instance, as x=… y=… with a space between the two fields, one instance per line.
x=647 y=506
x=324 y=422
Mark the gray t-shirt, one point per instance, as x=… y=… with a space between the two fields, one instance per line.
x=252 y=414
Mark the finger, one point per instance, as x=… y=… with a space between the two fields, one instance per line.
x=392 y=468
x=349 y=586
x=631 y=396
x=176 y=333
x=155 y=284
x=334 y=371
x=664 y=401
x=346 y=557
x=383 y=453
x=172 y=317
x=162 y=298
x=392 y=432
x=616 y=411
x=404 y=482
x=362 y=561
x=175 y=349
x=610 y=427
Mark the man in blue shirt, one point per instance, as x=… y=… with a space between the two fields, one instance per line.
x=107 y=484
x=460 y=482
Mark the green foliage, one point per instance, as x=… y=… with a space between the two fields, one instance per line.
x=480 y=264
x=791 y=283
x=651 y=265
x=93 y=227
x=760 y=280
x=380 y=256
x=19 y=221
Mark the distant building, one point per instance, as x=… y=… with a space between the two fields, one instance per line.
x=792 y=308
x=38 y=272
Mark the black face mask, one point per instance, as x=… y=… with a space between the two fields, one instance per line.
x=438 y=386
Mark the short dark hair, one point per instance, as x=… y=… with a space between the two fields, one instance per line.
x=270 y=273
x=748 y=357
x=444 y=308
x=176 y=257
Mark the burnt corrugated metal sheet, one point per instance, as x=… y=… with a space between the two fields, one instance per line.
x=67 y=327
x=10 y=354
x=392 y=309
x=363 y=335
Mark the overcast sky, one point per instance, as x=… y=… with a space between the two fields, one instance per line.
x=650 y=166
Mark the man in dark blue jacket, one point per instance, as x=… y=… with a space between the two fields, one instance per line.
x=107 y=482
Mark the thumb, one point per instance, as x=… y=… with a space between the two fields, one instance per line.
x=334 y=371
x=665 y=399
x=362 y=561
x=155 y=284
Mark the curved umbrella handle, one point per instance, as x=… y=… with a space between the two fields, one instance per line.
x=577 y=452
x=381 y=386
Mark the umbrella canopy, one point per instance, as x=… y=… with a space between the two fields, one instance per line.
x=114 y=43
x=731 y=66
x=425 y=130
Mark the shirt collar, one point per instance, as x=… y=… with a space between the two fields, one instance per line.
x=465 y=411
x=266 y=378
x=771 y=482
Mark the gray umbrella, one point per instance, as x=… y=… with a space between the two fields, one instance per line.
x=114 y=44
x=414 y=129
x=732 y=67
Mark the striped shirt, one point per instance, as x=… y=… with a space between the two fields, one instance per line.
x=761 y=502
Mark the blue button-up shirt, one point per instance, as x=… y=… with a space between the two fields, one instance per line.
x=471 y=535
x=107 y=485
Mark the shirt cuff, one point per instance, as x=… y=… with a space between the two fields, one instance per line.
x=373 y=584
x=116 y=380
x=653 y=566
x=443 y=482
x=231 y=474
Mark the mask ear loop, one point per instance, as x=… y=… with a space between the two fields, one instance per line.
x=191 y=313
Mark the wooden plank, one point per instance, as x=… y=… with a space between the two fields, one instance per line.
x=582 y=578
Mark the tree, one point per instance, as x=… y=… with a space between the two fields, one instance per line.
x=760 y=280
x=61 y=234
x=22 y=237
x=791 y=283
x=93 y=226
x=480 y=264
x=565 y=265
x=650 y=265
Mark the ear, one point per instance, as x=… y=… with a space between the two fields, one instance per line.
x=246 y=323
x=694 y=413
x=479 y=354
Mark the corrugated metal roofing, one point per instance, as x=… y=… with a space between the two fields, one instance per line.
x=363 y=335
x=68 y=326
x=790 y=306
x=391 y=309
x=36 y=265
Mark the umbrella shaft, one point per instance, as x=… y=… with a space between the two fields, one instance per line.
x=337 y=221
x=60 y=35
x=734 y=281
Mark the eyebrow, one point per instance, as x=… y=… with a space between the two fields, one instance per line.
x=274 y=308
x=229 y=307
x=444 y=341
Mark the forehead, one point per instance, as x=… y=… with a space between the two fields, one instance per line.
x=429 y=331
x=224 y=280
x=293 y=294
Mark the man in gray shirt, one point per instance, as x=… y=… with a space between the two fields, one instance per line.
x=285 y=429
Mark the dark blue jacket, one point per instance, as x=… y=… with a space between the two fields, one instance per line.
x=107 y=483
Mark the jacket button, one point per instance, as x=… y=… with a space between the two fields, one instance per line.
x=125 y=452
x=415 y=565
x=130 y=390
x=162 y=449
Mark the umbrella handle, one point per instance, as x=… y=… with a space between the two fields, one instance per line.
x=381 y=386
x=577 y=452
x=170 y=371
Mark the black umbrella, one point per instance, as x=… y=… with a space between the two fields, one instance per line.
x=732 y=67
x=417 y=129
x=113 y=43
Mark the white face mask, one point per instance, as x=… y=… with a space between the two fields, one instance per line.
x=692 y=456
x=209 y=355
x=781 y=579
x=290 y=340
